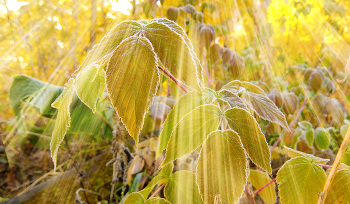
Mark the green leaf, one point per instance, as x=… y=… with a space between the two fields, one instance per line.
x=185 y=104
x=300 y=181
x=24 y=88
x=174 y=54
x=109 y=42
x=137 y=198
x=157 y=201
x=181 y=188
x=306 y=125
x=191 y=131
x=252 y=138
x=132 y=81
x=309 y=135
x=346 y=157
x=232 y=99
x=88 y=85
x=339 y=191
x=259 y=179
x=62 y=103
x=292 y=153
x=134 y=198
x=256 y=98
x=222 y=167
x=322 y=138
x=161 y=178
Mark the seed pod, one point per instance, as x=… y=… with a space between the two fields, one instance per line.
x=336 y=110
x=275 y=97
x=236 y=65
x=226 y=55
x=290 y=103
x=206 y=35
x=172 y=13
x=315 y=80
x=318 y=103
x=307 y=73
x=330 y=86
x=189 y=8
x=199 y=16
x=215 y=52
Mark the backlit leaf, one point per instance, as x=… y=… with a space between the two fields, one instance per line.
x=309 y=135
x=232 y=99
x=88 y=86
x=222 y=167
x=191 y=131
x=132 y=81
x=109 y=42
x=62 y=103
x=134 y=198
x=161 y=178
x=322 y=138
x=185 y=104
x=252 y=138
x=292 y=153
x=300 y=181
x=259 y=179
x=157 y=201
x=258 y=101
x=339 y=191
x=181 y=188
x=175 y=54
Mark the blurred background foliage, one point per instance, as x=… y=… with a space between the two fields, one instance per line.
x=293 y=49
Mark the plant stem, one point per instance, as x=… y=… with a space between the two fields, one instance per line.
x=173 y=78
x=256 y=192
x=155 y=193
x=335 y=166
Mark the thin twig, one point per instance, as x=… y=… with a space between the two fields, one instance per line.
x=256 y=192
x=173 y=78
x=155 y=193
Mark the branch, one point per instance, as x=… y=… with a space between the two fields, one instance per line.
x=173 y=78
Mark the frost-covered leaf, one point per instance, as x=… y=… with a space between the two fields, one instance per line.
x=132 y=81
x=292 y=153
x=109 y=42
x=62 y=103
x=339 y=191
x=258 y=101
x=181 y=188
x=300 y=181
x=232 y=99
x=161 y=178
x=88 y=85
x=252 y=138
x=265 y=108
x=259 y=179
x=222 y=167
x=186 y=103
x=174 y=54
x=309 y=135
x=191 y=131
x=322 y=138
